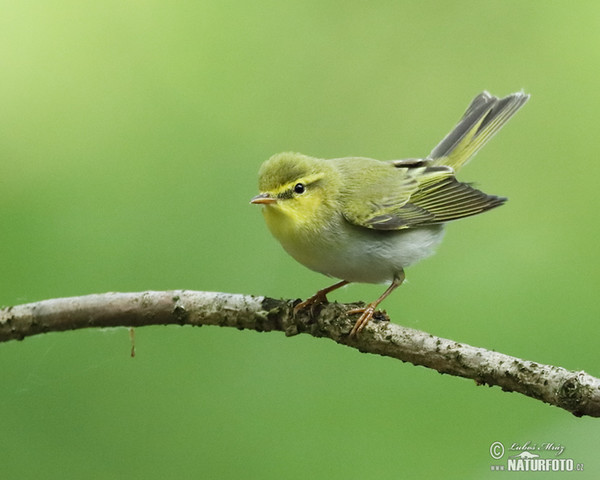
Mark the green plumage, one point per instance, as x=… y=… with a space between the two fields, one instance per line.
x=365 y=220
x=426 y=192
x=413 y=197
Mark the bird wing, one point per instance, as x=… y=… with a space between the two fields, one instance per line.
x=415 y=193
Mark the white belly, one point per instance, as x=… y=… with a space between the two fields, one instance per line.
x=358 y=254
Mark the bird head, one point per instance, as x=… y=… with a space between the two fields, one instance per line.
x=292 y=187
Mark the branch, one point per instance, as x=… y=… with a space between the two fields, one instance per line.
x=576 y=392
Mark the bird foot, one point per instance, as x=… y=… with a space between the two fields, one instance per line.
x=367 y=314
x=317 y=299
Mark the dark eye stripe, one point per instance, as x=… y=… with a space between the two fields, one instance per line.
x=298 y=189
x=286 y=195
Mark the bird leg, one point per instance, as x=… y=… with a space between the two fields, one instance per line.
x=319 y=297
x=368 y=311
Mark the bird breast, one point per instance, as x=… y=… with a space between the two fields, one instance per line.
x=359 y=254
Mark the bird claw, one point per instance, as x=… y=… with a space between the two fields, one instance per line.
x=368 y=313
x=317 y=299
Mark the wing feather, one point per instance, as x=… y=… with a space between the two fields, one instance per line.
x=424 y=195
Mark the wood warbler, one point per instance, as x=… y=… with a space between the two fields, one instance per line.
x=364 y=220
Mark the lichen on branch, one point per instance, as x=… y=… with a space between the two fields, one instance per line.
x=574 y=391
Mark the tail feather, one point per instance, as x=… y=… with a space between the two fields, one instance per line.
x=483 y=118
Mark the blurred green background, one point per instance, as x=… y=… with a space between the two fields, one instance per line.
x=131 y=133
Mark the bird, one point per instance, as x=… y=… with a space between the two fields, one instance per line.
x=364 y=220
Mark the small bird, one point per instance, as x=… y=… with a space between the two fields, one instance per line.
x=365 y=220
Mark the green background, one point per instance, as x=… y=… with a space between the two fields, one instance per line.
x=131 y=133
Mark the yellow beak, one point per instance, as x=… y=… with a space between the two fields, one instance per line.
x=263 y=199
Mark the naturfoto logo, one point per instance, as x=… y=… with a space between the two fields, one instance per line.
x=533 y=457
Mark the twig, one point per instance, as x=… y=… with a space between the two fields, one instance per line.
x=576 y=392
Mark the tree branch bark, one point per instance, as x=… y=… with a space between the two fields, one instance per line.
x=575 y=391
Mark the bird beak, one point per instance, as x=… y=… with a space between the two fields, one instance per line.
x=263 y=199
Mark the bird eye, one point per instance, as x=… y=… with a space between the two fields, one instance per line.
x=299 y=188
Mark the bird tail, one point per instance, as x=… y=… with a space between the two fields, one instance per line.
x=484 y=117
